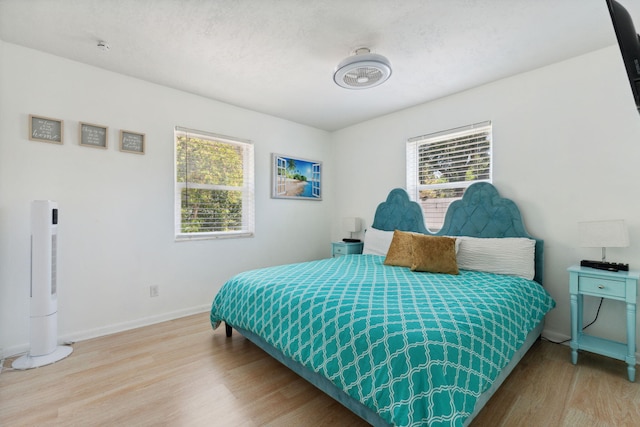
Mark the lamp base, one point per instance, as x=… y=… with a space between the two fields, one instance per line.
x=27 y=361
x=603 y=265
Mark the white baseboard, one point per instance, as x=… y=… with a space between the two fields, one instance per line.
x=555 y=336
x=146 y=321
x=112 y=329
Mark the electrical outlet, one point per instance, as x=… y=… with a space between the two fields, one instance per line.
x=154 y=291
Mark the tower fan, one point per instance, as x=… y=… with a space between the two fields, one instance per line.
x=43 y=327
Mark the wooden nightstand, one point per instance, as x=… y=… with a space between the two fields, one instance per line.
x=346 y=248
x=620 y=286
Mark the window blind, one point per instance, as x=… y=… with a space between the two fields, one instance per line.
x=441 y=165
x=214 y=185
x=448 y=159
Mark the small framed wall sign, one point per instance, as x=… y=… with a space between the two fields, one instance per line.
x=46 y=129
x=93 y=135
x=132 y=142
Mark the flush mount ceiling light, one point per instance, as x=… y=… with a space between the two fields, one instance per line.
x=362 y=70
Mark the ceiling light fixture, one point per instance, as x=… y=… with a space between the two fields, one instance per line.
x=362 y=70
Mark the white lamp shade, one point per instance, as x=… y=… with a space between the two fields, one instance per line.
x=352 y=225
x=603 y=234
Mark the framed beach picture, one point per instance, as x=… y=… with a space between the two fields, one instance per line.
x=295 y=178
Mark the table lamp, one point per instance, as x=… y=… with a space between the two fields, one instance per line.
x=351 y=225
x=604 y=234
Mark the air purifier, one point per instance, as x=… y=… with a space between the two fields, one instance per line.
x=43 y=326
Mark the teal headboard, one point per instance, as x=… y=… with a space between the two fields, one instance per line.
x=398 y=212
x=480 y=213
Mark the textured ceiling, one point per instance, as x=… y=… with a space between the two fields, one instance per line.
x=278 y=56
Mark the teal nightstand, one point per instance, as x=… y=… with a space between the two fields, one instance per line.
x=620 y=286
x=346 y=248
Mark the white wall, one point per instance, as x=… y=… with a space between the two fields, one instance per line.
x=566 y=146
x=116 y=209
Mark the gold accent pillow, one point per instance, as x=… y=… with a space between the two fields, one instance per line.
x=435 y=254
x=400 y=251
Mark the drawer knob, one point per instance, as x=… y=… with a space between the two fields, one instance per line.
x=600 y=286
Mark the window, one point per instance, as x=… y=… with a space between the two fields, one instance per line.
x=214 y=191
x=440 y=166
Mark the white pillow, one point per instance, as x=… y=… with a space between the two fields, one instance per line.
x=377 y=242
x=509 y=255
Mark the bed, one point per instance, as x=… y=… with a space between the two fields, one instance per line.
x=399 y=345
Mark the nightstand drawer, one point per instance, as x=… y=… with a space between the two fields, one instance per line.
x=601 y=287
x=340 y=250
x=346 y=248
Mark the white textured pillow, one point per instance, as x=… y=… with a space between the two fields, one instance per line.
x=509 y=255
x=377 y=242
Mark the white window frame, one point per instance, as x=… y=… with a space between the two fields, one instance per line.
x=247 y=228
x=438 y=139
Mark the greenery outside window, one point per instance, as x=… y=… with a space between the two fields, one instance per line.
x=214 y=186
x=440 y=167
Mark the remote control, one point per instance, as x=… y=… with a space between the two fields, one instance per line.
x=603 y=265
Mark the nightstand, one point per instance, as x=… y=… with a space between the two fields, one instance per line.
x=346 y=248
x=620 y=286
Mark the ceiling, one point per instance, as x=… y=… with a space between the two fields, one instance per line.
x=278 y=56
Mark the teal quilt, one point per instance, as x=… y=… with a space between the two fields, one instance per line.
x=417 y=348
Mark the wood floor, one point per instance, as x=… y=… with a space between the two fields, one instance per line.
x=181 y=373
